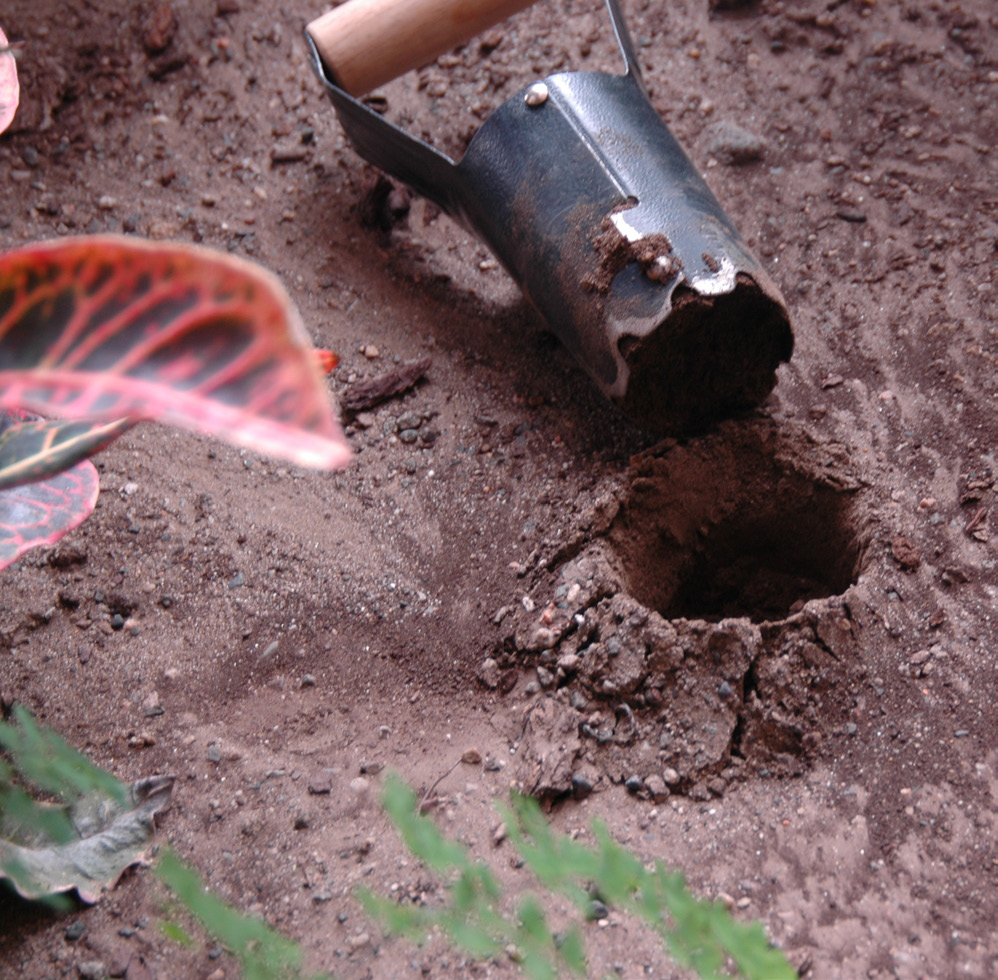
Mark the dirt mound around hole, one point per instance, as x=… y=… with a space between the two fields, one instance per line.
x=655 y=666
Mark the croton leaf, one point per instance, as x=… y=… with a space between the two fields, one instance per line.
x=108 y=326
x=47 y=487
x=10 y=91
x=32 y=448
x=109 y=838
x=38 y=514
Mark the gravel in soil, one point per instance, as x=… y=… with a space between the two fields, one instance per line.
x=764 y=655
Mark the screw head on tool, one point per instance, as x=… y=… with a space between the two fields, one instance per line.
x=663 y=268
x=536 y=95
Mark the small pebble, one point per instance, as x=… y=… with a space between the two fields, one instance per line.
x=91 y=970
x=151 y=706
x=488 y=673
x=118 y=967
x=321 y=783
x=634 y=784
x=733 y=144
x=542 y=639
x=74 y=930
x=657 y=788
x=717 y=786
x=597 y=910
x=288 y=151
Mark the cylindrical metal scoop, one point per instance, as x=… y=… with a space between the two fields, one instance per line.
x=589 y=202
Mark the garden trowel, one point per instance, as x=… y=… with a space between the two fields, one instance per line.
x=586 y=198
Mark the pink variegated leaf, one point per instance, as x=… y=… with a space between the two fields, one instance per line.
x=32 y=449
x=10 y=91
x=106 y=327
x=38 y=514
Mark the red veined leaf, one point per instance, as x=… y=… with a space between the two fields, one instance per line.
x=39 y=514
x=10 y=91
x=63 y=490
x=108 y=326
x=32 y=448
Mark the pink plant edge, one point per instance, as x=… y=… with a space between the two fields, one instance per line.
x=10 y=90
x=39 y=514
x=111 y=326
x=33 y=449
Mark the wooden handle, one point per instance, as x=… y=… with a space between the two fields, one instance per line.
x=365 y=43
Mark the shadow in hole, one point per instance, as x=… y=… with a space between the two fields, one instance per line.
x=748 y=522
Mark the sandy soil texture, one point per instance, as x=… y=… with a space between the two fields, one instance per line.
x=764 y=654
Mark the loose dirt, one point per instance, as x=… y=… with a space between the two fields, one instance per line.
x=764 y=654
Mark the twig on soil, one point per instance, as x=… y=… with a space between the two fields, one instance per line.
x=975 y=522
x=374 y=391
x=425 y=799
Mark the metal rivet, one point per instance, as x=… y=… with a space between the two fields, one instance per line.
x=662 y=269
x=536 y=95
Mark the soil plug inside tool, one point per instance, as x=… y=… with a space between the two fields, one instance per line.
x=584 y=195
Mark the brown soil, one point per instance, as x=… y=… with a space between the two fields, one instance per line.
x=780 y=635
x=614 y=251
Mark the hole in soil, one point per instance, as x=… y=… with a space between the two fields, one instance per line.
x=743 y=523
